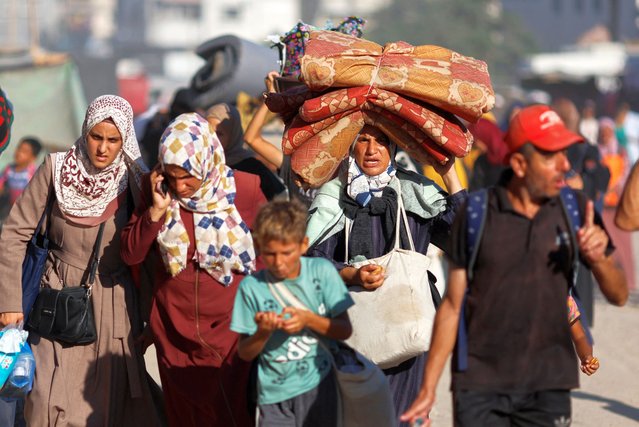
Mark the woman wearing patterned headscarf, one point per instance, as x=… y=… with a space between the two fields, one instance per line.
x=201 y=229
x=367 y=194
x=93 y=183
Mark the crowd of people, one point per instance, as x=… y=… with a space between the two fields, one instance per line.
x=195 y=249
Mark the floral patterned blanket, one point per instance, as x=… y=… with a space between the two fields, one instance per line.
x=411 y=93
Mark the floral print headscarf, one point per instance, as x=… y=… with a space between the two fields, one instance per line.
x=82 y=189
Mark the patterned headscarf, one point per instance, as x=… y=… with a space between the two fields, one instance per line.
x=82 y=189
x=6 y=119
x=223 y=241
x=361 y=187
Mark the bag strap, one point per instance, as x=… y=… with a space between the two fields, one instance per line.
x=572 y=215
x=401 y=216
x=475 y=220
x=286 y=298
x=46 y=213
x=95 y=258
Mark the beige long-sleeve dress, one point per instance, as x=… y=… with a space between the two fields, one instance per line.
x=100 y=384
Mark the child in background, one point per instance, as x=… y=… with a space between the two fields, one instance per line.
x=17 y=175
x=589 y=364
x=296 y=385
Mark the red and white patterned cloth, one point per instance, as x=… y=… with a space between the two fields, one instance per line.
x=411 y=93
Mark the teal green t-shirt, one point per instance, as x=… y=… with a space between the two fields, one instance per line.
x=290 y=365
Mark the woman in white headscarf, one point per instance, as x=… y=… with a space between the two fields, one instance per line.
x=95 y=182
x=200 y=227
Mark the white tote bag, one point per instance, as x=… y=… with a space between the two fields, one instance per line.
x=393 y=323
x=365 y=396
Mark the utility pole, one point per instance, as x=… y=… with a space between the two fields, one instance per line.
x=614 y=20
x=34 y=33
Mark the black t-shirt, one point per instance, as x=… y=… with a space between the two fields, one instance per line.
x=516 y=310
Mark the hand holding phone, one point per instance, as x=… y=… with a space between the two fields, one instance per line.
x=164 y=186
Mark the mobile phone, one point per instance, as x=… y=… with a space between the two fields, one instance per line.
x=164 y=186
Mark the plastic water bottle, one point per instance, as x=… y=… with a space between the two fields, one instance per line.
x=20 y=380
x=23 y=370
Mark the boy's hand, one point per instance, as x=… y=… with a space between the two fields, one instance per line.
x=267 y=321
x=371 y=276
x=296 y=320
x=590 y=365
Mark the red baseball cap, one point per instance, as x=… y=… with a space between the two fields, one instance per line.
x=542 y=127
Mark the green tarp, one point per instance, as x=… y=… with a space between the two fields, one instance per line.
x=48 y=103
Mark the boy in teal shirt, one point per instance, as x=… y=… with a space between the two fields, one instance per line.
x=296 y=385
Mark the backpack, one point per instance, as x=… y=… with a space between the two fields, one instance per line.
x=476 y=217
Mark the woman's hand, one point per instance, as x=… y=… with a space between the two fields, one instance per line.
x=161 y=200
x=418 y=413
x=10 y=318
x=371 y=276
x=145 y=339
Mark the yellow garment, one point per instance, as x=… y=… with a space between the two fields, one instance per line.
x=429 y=172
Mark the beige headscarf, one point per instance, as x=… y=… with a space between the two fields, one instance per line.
x=229 y=116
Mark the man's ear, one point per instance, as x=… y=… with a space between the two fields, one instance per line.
x=304 y=244
x=519 y=164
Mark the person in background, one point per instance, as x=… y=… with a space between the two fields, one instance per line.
x=17 y=175
x=226 y=123
x=296 y=384
x=95 y=182
x=182 y=102
x=253 y=138
x=614 y=158
x=198 y=229
x=588 y=124
x=490 y=164
x=6 y=119
x=521 y=364
x=8 y=415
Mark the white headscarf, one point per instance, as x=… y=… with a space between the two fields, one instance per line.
x=82 y=189
x=361 y=187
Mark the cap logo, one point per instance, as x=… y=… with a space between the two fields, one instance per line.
x=549 y=119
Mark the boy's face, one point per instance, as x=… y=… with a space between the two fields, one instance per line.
x=23 y=155
x=282 y=259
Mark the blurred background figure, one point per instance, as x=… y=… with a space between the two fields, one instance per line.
x=588 y=125
x=613 y=157
x=491 y=163
x=225 y=120
x=17 y=175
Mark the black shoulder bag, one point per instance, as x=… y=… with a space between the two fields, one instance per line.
x=66 y=315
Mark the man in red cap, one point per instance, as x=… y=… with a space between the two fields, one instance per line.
x=520 y=364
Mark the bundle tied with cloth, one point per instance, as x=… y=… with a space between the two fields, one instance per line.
x=414 y=94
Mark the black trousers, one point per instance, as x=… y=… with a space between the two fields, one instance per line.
x=538 y=409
